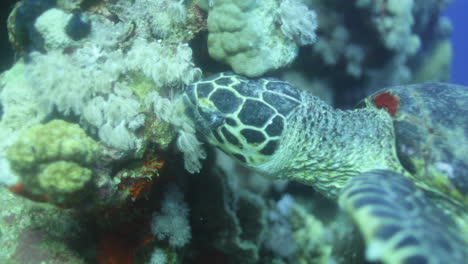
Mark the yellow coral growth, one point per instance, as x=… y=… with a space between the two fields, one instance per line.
x=51 y=160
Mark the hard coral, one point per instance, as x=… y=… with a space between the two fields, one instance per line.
x=79 y=83
x=52 y=160
x=243 y=35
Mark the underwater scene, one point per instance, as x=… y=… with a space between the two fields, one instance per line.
x=233 y=132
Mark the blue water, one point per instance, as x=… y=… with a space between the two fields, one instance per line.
x=458 y=14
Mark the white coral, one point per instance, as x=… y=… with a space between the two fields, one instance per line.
x=118 y=137
x=51 y=25
x=94 y=112
x=78 y=83
x=153 y=18
x=192 y=149
x=89 y=81
x=166 y=66
x=169 y=111
x=107 y=34
x=158 y=257
x=163 y=23
x=297 y=21
x=67 y=82
x=394 y=23
x=172 y=221
x=279 y=239
x=117 y=117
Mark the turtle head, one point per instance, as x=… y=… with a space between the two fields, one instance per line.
x=245 y=118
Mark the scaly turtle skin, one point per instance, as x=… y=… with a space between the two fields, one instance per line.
x=408 y=208
x=431 y=131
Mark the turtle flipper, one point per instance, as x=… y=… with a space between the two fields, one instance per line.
x=399 y=223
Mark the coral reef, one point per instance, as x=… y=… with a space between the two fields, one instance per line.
x=243 y=33
x=97 y=155
x=367 y=44
x=234 y=223
x=52 y=160
x=296 y=235
x=33 y=233
x=50 y=26
x=172 y=221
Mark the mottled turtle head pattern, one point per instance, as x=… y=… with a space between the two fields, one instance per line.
x=243 y=117
x=282 y=132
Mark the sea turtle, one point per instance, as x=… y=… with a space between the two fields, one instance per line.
x=397 y=164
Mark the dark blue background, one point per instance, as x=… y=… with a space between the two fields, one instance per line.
x=458 y=14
